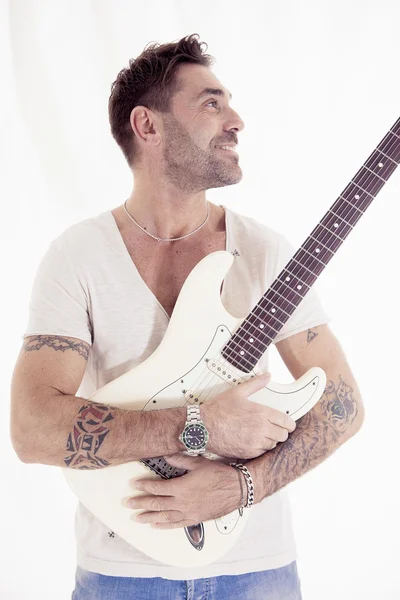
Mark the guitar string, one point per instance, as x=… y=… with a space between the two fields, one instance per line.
x=327 y=237
x=387 y=145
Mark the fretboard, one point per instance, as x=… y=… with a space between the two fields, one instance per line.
x=270 y=314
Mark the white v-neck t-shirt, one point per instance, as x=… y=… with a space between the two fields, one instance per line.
x=88 y=287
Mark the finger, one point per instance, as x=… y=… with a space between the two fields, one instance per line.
x=277 y=434
x=172 y=525
x=282 y=419
x=153 y=503
x=169 y=516
x=254 y=384
x=183 y=461
x=164 y=487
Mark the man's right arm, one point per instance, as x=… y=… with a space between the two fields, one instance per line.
x=52 y=426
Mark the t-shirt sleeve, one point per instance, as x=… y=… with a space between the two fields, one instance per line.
x=309 y=312
x=58 y=303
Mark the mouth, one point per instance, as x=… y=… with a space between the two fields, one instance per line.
x=228 y=151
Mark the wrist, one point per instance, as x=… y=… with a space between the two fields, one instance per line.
x=178 y=416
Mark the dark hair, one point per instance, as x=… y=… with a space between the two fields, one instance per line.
x=150 y=80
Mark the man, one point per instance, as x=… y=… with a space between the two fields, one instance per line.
x=101 y=304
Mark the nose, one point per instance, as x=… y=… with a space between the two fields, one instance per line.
x=235 y=122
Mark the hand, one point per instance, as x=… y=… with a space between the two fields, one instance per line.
x=209 y=490
x=241 y=428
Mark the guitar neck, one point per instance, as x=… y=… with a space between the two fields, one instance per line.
x=270 y=314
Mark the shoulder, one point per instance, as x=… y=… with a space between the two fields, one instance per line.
x=258 y=237
x=83 y=240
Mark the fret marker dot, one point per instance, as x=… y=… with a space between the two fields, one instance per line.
x=380 y=165
x=357 y=197
x=241 y=352
x=251 y=340
x=336 y=225
x=273 y=309
x=317 y=250
x=299 y=287
x=261 y=326
x=287 y=278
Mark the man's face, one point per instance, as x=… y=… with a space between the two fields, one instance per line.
x=198 y=125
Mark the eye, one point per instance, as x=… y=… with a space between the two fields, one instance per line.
x=212 y=102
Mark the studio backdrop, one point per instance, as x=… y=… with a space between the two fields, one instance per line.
x=316 y=84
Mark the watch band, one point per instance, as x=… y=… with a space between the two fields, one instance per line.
x=193 y=414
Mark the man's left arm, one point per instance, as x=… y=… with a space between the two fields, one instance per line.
x=336 y=417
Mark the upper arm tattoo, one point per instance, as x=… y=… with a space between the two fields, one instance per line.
x=57 y=342
x=311 y=335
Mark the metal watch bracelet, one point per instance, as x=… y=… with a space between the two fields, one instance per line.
x=249 y=483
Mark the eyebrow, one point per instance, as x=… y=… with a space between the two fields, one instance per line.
x=212 y=92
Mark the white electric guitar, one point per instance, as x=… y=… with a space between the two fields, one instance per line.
x=221 y=351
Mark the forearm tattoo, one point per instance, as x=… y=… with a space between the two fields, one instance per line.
x=57 y=343
x=87 y=436
x=317 y=435
x=311 y=335
x=91 y=426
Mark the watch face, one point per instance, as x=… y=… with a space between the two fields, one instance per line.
x=195 y=436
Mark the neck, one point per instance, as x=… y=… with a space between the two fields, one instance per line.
x=168 y=216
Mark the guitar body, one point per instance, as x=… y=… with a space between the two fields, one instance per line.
x=187 y=367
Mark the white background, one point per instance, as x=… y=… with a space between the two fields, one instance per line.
x=317 y=85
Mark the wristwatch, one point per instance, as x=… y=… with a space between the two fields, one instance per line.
x=195 y=434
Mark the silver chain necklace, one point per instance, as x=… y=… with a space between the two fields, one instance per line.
x=169 y=239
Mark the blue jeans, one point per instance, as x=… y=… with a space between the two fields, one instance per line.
x=274 y=584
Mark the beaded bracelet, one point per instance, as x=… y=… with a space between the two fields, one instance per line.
x=249 y=483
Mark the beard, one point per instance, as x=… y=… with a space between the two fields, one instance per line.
x=191 y=168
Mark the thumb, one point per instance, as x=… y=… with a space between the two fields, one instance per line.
x=254 y=384
x=183 y=461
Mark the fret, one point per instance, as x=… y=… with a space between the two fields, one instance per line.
x=246 y=352
x=319 y=242
x=359 y=186
x=396 y=127
x=296 y=276
x=312 y=246
x=373 y=173
x=377 y=184
x=353 y=205
x=262 y=330
x=386 y=166
x=254 y=337
x=239 y=352
x=387 y=156
x=299 y=270
x=237 y=361
x=336 y=215
x=284 y=298
x=357 y=201
x=333 y=233
x=248 y=325
x=288 y=287
x=346 y=208
x=302 y=249
x=304 y=267
x=269 y=311
x=273 y=316
x=398 y=136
